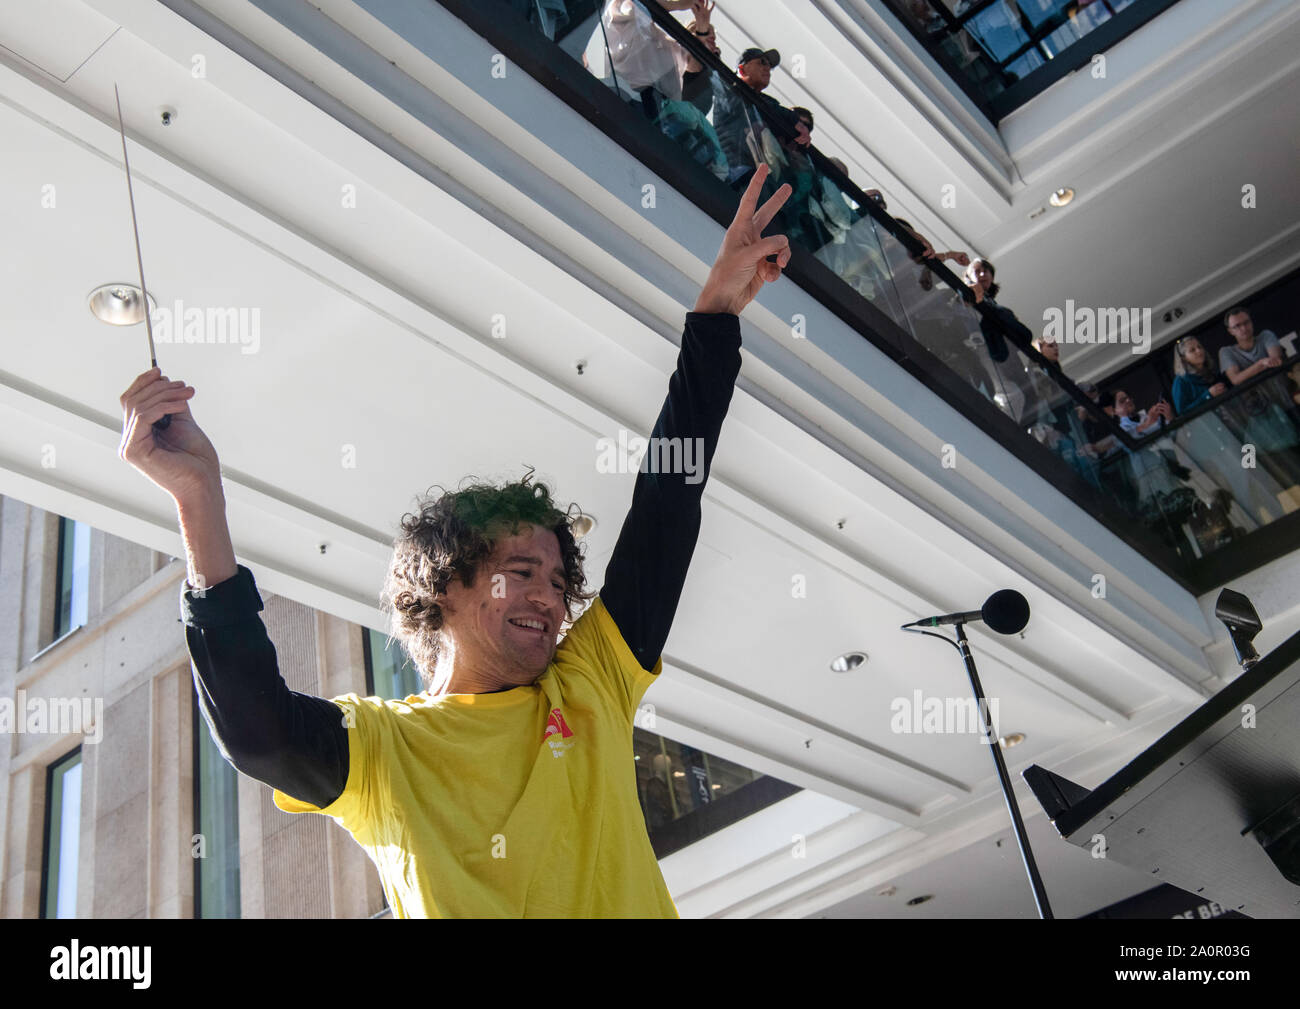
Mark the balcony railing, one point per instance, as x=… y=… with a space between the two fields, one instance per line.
x=1180 y=493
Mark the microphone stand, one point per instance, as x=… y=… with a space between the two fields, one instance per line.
x=1026 y=854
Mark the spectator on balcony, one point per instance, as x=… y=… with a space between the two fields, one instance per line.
x=979 y=278
x=934 y=311
x=1016 y=394
x=926 y=278
x=1138 y=423
x=1057 y=425
x=1100 y=440
x=686 y=121
x=1261 y=415
x=648 y=62
x=741 y=127
x=1210 y=444
x=833 y=206
x=1250 y=354
x=697 y=81
x=1195 y=380
x=854 y=251
x=792 y=163
x=1114 y=472
x=1150 y=468
x=644 y=58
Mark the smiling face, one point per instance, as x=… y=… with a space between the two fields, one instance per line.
x=500 y=633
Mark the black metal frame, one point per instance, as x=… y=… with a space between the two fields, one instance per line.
x=58 y=581
x=722 y=812
x=369 y=661
x=50 y=771
x=196 y=792
x=1106 y=35
x=1182 y=735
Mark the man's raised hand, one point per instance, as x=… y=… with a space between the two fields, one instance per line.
x=741 y=267
x=182 y=460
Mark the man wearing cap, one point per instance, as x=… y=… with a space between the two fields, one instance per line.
x=735 y=119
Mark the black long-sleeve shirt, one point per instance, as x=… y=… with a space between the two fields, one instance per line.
x=298 y=743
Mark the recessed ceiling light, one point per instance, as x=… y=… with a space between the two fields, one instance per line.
x=920 y=900
x=118 y=304
x=848 y=662
x=581 y=526
x=679 y=774
x=1014 y=739
x=1061 y=197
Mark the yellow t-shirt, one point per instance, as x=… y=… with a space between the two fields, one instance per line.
x=521 y=803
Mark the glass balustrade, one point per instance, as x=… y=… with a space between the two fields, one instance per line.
x=1180 y=489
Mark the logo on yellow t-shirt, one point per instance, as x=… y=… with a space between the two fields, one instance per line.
x=555 y=725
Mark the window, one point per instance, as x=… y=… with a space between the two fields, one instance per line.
x=389 y=673
x=62 y=837
x=216 y=824
x=72 y=577
x=687 y=794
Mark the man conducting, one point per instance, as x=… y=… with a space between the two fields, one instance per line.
x=507 y=788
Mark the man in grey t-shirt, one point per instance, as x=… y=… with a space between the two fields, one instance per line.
x=1251 y=354
x=1263 y=415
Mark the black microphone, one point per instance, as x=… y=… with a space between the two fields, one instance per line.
x=1006 y=611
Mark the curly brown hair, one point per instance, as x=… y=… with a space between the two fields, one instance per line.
x=450 y=536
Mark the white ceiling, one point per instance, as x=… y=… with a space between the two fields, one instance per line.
x=987 y=879
x=376 y=341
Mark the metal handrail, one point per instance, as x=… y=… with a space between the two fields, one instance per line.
x=783 y=129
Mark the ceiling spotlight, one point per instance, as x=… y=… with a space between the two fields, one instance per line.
x=1015 y=739
x=848 y=662
x=581 y=526
x=1061 y=197
x=118 y=304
